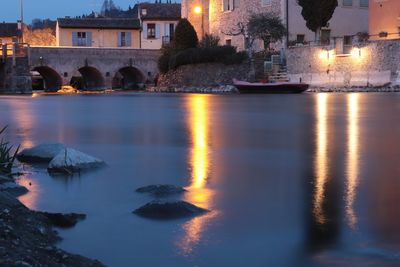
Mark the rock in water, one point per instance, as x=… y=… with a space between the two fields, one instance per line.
x=70 y=160
x=63 y=220
x=161 y=190
x=43 y=153
x=169 y=210
x=13 y=189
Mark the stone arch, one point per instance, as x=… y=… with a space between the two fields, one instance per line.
x=50 y=79
x=92 y=79
x=128 y=78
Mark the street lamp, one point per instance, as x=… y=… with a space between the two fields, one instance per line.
x=199 y=10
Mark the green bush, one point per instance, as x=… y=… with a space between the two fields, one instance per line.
x=209 y=41
x=6 y=157
x=185 y=35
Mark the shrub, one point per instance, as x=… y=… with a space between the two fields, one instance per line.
x=163 y=60
x=185 y=35
x=236 y=58
x=209 y=41
x=6 y=158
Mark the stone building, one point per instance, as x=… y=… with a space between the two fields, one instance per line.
x=219 y=17
x=384 y=22
x=98 y=32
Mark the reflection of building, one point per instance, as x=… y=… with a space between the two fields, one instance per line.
x=219 y=16
x=158 y=23
x=384 y=21
x=10 y=32
x=98 y=32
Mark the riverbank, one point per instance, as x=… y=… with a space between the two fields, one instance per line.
x=27 y=237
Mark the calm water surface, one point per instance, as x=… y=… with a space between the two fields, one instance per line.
x=291 y=180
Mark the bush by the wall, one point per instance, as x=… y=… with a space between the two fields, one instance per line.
x=185 y=35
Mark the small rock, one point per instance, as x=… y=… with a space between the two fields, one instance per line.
x=169 y=210
x=2 y=251
x=22 y=264
x=70 y=160
x=161 y=190
x=13 y=188
x=64 y=220
x=42 y=153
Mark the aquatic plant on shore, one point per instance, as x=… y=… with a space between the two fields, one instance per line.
x=7 y=158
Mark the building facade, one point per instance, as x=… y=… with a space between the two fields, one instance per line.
x=221 y=17
x=98 y=32
x=10 y=33
x=384 y=22
x=158 y=22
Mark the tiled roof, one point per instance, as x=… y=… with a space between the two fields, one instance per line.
x=9 y=30
x=99 y=23
x=161 y=11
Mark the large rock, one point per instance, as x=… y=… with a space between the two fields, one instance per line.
x=43 y=153
x=63 y=220
x=13 y=189
x=70 y=160
x=161 y=190
x=169 y=210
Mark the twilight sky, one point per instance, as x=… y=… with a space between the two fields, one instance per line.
x=10 y=10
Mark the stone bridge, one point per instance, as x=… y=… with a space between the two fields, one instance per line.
x=93 y=68
x=49 y=68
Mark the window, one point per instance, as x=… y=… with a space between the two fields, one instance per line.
x=151 y=31
x=266 y=2
x=300 y=38
x=347 y=44
x=228 y=42
x=124 y=39
x=229 y=5
x=348 y=3
x=144 y=12
x=325 y=36
x=82 y=39
x=171 y=31
x=364 y=3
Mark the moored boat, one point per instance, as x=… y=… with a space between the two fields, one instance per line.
x=270 y=88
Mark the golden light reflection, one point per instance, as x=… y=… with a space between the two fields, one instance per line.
x=352 y=157
x=321 y=161
x=198 y=194
x=30 y=199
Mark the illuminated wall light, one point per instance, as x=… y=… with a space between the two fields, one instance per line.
x=356 y=52
x=197 y=10
x=326 y=54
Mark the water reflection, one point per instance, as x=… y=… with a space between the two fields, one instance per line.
x=199 y=194
x=20 y=110
x=321 y=159
x=352 y=169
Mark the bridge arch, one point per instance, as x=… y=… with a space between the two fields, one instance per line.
x=92 y=79
x=128 y=78
x=51 y=80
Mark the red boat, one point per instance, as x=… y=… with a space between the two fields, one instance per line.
x=270 y=88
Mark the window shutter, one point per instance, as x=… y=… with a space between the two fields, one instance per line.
x=74 y=39
x=119 y=42
x=231 y=3
x=166 y=32
x=145 y=30
x=225 y=5
x=236 y=3
x=158 y=31
x=88 y=39
x=128 y=36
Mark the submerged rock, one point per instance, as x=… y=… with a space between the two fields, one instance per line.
x=70 y=160
x=63 y=220
x=161 y=190
x=169 y=210
x=42 y=153
x=13 y=189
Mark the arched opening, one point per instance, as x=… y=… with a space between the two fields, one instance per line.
x=128 y=78
x=91 y=79
x=46 y=78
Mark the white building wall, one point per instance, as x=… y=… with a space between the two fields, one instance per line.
x=161 y=31
x=345 y=21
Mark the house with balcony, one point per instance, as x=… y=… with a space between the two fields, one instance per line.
x=98 y=32
x=158 y=22
x=384 y=19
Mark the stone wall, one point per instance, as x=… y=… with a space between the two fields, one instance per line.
x=207 y=74
x=374 y=64
x=15 y=77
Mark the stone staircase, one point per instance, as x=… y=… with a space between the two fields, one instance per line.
x=279 y=75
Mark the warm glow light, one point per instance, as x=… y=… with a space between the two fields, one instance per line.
x=356 y=52
x=326 y=54
x=321 y=161
x=352 y=157
x=197 y=10
x=199 y=194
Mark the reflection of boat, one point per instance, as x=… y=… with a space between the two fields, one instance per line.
x=270 y=88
